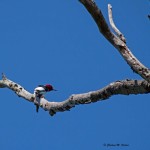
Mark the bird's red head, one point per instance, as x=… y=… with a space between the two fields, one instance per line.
x=49 y=87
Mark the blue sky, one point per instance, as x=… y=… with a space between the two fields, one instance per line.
x=57 y=42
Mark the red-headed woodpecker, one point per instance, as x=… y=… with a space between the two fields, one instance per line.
x=40 y=92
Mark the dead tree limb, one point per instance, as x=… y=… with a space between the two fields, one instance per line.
x=124 y=87
x=115 y=40
x=119 y=34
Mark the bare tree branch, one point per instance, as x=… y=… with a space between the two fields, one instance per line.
x=131 y=60
x=120 y=35
x=124 y=87
x=18 y=89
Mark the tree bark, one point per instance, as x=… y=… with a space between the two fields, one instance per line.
x=124 y=87
x=116 y=41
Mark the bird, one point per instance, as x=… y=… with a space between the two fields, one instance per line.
x=40 y=92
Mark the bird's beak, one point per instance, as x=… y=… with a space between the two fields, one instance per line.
x=55 y=90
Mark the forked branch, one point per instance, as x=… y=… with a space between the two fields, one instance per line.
x=124 y=87
x=118 y=43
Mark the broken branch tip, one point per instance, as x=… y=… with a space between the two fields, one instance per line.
x=109 y=6
x=3 y=76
